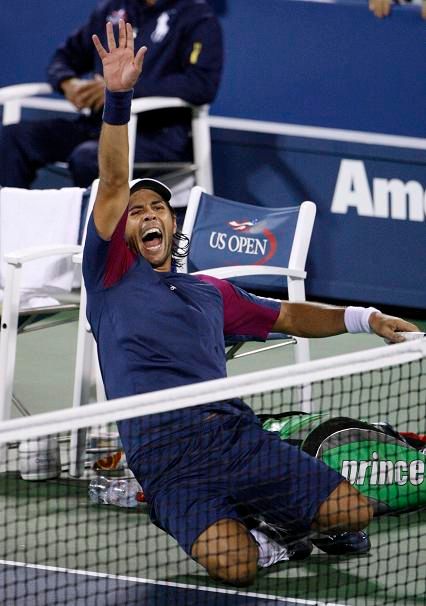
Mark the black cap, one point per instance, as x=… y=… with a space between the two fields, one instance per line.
x=154 y=185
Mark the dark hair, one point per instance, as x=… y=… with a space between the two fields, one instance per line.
x=180 y=248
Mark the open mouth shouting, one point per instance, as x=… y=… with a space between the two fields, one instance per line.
x=154 y=245
x=152 y=239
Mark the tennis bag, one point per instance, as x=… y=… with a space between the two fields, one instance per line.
x=382 y=464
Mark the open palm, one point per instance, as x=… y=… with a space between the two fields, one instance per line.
x=120 y=65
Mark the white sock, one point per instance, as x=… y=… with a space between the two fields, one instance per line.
x=270 y=552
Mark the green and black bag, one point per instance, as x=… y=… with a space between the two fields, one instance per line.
x=374 y=458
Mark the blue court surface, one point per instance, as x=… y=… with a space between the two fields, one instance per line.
x=28 y=584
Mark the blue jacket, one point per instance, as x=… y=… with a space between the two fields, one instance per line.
x=184 y=40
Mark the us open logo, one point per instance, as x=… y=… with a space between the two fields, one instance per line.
x=251 y=237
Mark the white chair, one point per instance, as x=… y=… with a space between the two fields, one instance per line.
x=261 y=248
x=36 y=96
x=16 y=319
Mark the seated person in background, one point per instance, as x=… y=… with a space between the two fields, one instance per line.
x=382 y=8
x=184 y=60
x=212 y=477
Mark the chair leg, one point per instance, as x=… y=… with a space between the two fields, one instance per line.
x=302 y=354
x=82 y=385
x=230 y=354
x=8 y=338
x=20 y=407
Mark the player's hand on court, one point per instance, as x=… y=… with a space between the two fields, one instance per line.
x=389 y=327
x=121 y=66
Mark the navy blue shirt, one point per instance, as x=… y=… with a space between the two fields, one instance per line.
x=184 y=59
x=184 y=40
x=156 y=330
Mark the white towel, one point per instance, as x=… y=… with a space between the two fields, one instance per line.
x=40 y=217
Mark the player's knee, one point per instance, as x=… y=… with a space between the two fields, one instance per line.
x=228 y=553
x=357 y=516
x=233 y=569
x=345 y=509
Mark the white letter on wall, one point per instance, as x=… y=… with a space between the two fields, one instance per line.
x=352 y=189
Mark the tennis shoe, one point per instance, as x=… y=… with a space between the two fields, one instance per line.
x=297 y=548
x=344 y=543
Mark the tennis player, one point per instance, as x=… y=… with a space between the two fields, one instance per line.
x=202 y=468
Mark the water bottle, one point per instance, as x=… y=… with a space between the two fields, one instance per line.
x=98 y=490
x=122 y=492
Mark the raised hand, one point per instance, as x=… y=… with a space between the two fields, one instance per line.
x=121 y=67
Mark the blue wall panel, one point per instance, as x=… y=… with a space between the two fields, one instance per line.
x=322 y=64
x=30 y=31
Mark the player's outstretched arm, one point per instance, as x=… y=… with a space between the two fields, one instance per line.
x=122 y=69
x=310 y=320
x=319 y=320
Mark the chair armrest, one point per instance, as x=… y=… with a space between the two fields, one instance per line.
x=38 y=252
x=15 y=97
x=235 y=271
x=20 y=91
x=146 y=104
x=78 y=258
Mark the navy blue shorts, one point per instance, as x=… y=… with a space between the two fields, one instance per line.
x=228 y=468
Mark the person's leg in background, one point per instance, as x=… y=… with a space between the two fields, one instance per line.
x=83 y=163
x=30 y=145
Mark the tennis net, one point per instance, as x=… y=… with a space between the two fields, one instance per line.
x=59 y=547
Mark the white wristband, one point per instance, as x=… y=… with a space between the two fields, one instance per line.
x=356 y=318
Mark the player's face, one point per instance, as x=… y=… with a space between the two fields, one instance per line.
x=150 y=227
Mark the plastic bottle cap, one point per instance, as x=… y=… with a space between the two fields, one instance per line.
x=140 y=497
